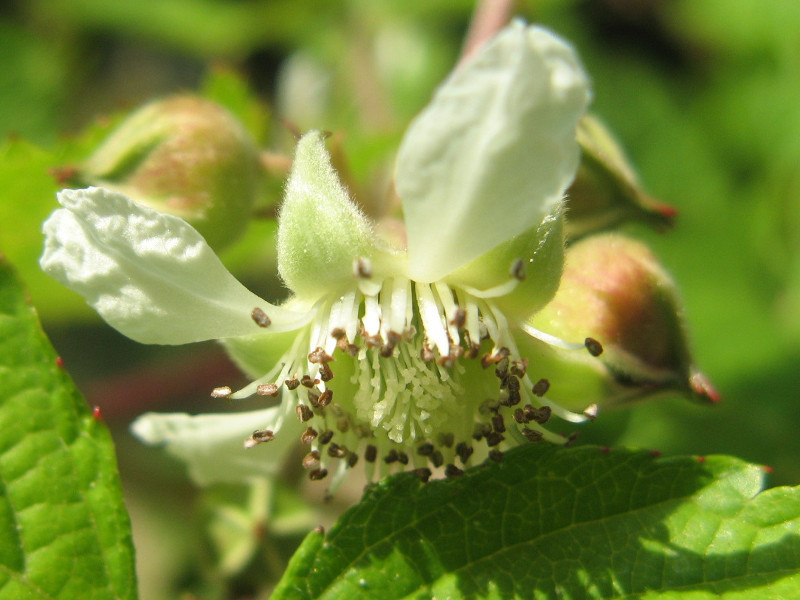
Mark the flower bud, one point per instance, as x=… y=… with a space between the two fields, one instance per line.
x=606 y=192
x=185 y=156
x=613 y=290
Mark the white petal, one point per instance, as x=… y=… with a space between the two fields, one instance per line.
x=493 y=152
x=212 y=445
x=148 y=274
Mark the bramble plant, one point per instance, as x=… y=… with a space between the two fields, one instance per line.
x=442 y=349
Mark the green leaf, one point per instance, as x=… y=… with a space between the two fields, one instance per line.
x=64 y=532
x=572 y=523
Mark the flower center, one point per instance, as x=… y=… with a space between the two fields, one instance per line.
x=408 y=373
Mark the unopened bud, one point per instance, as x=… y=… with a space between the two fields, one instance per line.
x=605 y=192
x=185 y=156
x=614 y=291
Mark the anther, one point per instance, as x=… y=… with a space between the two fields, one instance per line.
x=391 y=457
x=402 y=457
x=370 y=453
x=519 y=367
x=259 y=437
x=292 y=383
x=426 y=353
x=308 y=436
x=260 y=317
x=501 y=370
x=540 y=415
x=317 y=474
x=423 y=474
x=311 y=459
x=481 y=430
x=446 y=439
x=267 y=389
x=540 y=387
x=519 y=416
x=531 y=434
x=494 y=357
x=591 y=411
x=352 y=459
x=453 y=471
x=518 y=269
x=337 y=451
x=343 y=425
x=494 y=438
x=304 y=413
x=459 y=318
x=325 y=372
x=392 y=339
x=437 y=459
x=464 y=451
x=324 y=398
x=425 y=449
x=325 y=437
x=221 y=392
x=498 y=423
x=594 y=347
x=319 y=356
x=338 y=333
x=362 y=268
x=314 y=396
x=307 y=381
x=496 y=455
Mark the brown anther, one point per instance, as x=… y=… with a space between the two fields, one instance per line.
x=446 y=361
x=459 y=318
x=337 y=451
x=481 y=430
x=309 y=435
x=318 y=356
x=464 y=451
x=338 y=333
x=531 y=434
x=427 y=353
x=311 y=459
x=259 y=437
x=501 y=370
x=317 y=474
x=437 y=459
x=446 y=439
x=540 y=415
x=512 y=398
x=221 y=392
x=512 y=383
x=370 y=453
x=352 y=459
x=494 y=438
x=324 y=398
x=267 y=389
x=391 y=457
x=372 y=341
x=498 y=423
x=402 y=458
x=325 y=437
x=292 y=383
x=494 y=357
x=472 y=350
x=496 y=455
x=518 y=269
x=594 y=347
x=423 y=474
x=571 y=438
x=362 y=268
x=303 y=412
x=313 y=397
x=425 y=449
x=540 y=387
x=392 y=339
x=351 y=349
x=519 y=416
x=519 y=367
x=343 y=425
x=260 y=317
x=308 y=382
x=453 y=471
x=325 y=372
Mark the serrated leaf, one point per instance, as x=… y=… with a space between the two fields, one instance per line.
x=561 y=523
x=64 y=532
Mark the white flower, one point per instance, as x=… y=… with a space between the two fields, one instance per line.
x=415 y=356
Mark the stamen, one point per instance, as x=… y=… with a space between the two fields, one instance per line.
x=594 y=347
x=304 y=413
x=221 y=392
x=308 y=436
x=259 y=437
x=267 y=389
x=541 y=387
x=431 y=319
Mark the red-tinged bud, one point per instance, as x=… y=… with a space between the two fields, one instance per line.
x=615 y=291
x=605 y=192
x=185 y=156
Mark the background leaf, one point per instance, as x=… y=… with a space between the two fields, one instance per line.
x=64 y=532
x=562 y=523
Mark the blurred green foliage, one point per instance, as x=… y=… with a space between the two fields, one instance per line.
x=702 y=94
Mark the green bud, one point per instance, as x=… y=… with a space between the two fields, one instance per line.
x=184 y=156
x=606 y=192
x=614 y=290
